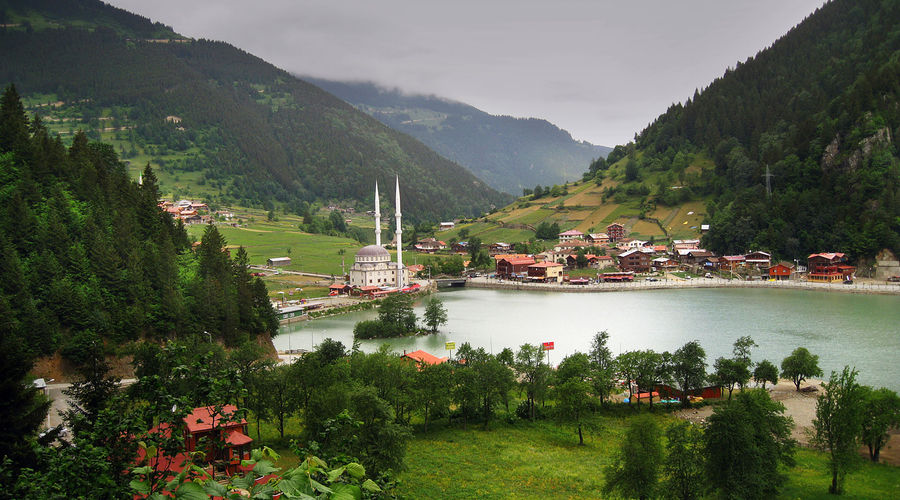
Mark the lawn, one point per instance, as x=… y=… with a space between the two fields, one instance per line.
x=309 y=252
x=543 y=460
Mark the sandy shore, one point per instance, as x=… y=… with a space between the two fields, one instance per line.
x=801 y=406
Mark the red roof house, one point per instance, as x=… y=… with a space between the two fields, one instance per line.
x=424 y=358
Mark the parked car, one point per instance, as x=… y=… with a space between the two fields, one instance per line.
x=894 y=279
x=848 y=281
x=651 y=279
x=707 y=275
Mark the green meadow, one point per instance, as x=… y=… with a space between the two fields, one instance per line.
x=542 y=460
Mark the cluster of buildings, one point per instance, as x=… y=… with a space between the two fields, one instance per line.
x=187 y=211
x=623 y=257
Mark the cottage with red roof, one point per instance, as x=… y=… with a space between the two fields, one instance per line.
x=422 y=358
x=513 y=266
x=829 y=267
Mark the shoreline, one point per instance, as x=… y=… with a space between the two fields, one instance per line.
x=671 y=284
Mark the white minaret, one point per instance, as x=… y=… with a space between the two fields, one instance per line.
x=398 y=232
x=377 y=217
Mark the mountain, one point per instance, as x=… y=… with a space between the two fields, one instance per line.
x=508 y=153
x=217 y=122
x=793 y=151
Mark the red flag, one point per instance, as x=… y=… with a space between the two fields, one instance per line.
x=548 y=346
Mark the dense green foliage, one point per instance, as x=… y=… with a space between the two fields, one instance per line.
x=819 y=109
x=508 y=153
x=838 y=425
x=258 y=135
x=747 y=442
x=636 y=469
x=89 y=256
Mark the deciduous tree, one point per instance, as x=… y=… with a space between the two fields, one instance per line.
x=634 y=472
x=765 y=371
x=800 y=365
x=838 y=425
x=881 y=412
x=689 y=368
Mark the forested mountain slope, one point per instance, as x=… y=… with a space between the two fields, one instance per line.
x=508 y=153
x=246 y=131
x=820 y=109
x=87 y=255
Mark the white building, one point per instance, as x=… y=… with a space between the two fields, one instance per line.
x=372 y=265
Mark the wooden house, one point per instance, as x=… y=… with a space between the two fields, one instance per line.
x=828 y=267
x=597 y=238
x=546 y=272
x=513 y=267
x=635 y=260
x=781 y=271
x=759 y=260
x=278 y=261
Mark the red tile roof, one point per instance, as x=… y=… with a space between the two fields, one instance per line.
x=829 y=256
x=572 y=232
x=421 y=356
x=201 y=418
x=546 y=264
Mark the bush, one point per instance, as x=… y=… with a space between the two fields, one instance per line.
x=369 y=329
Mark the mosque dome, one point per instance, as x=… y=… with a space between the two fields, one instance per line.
x=373 y=253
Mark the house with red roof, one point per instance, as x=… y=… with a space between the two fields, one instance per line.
x=422 y=358
x=513 y=266
x=546 y=272
x=218 y=432
x=781 y=271
x=828 y=267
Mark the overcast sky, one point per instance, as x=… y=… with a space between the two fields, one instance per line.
x=600 y=69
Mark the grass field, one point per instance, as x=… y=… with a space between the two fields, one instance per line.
x=309 y=252
x=542 y=460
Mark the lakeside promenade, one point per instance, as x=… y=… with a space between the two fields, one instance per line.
x=678 y=283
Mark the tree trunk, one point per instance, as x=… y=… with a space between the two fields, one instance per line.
x=580 y=436
x=426 y=418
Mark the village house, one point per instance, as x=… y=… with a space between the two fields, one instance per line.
x=731 y=262
x=204 y=427
x=551 y=256
x=499 y=247
x=759 y=260
x=634 y=260
x=278 y=261
x=415 y=269
x=664 y=263
x=685 y=245
x=339 y=289
x=781 y=271
x=615 y=231
x=828 y=267
x=571 y=234
x=422 y=358
x=569 y=246
x=597 y=238
x=513 y=267
x=546 y=272
x=460 y=247
x=693 y=256
x=429 y=245
x=572 y=260
x=604 y=261
x=446 y=226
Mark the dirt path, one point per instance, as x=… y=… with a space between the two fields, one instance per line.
x=801 y=406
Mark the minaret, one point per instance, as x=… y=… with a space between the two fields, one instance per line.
x=398 y=231
x=377 y=217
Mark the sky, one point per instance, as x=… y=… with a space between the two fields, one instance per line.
x=602 y=70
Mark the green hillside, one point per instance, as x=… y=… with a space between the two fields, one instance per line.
x=820 y=109
x=216 y=122
x=508 y=153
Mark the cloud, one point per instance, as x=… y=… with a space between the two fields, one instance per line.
x=601 y=70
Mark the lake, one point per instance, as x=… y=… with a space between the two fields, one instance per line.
x=842 y=329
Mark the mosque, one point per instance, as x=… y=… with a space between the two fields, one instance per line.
x=373 y=266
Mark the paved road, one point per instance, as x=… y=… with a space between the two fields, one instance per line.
x=60 y=402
